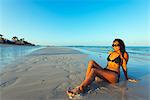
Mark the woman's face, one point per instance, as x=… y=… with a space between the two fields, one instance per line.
x=116 y=46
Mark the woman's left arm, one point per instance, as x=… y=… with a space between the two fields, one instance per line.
x=124 y=66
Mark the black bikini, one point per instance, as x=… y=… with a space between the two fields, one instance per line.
x=116 y=60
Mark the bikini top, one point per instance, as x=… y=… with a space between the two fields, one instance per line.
x=116 y=60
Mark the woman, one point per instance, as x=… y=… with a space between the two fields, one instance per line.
x=119 y=57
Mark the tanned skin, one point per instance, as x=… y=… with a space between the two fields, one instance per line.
x=95 y=70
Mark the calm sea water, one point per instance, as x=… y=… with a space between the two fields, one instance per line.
x=9 y=53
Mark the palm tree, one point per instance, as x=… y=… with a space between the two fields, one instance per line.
x=15 y=38
x=1 y=35
x=22 y=40
x=1 y=38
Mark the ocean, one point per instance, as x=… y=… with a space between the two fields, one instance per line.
x=9 y=53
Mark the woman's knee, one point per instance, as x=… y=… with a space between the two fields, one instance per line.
x=91 y=62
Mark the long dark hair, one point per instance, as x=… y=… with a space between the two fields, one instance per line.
x=122 y=45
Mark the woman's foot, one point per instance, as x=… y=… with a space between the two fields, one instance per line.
x=74 y=91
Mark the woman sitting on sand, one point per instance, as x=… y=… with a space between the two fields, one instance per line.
x=119 y=57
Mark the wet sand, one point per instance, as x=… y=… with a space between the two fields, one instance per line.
x=47 y=73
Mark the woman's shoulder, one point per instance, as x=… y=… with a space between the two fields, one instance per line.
x=125 y=54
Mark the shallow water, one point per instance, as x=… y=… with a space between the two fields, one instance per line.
x=9 y=53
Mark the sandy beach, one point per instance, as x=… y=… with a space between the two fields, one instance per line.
x=47 y=73
x=43 y=75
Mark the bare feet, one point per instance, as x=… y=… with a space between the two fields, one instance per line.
x=74 y=91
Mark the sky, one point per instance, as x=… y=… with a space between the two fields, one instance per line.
x=76 y=22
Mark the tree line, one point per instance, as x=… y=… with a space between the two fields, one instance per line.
x=15 y=40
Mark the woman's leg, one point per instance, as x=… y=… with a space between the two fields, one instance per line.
x=92 y=64
x=89 y=74
x=108 y=76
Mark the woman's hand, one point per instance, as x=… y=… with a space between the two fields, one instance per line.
x=132 y=80
x=120 y=54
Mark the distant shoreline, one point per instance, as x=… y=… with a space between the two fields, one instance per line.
x=18 y=44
